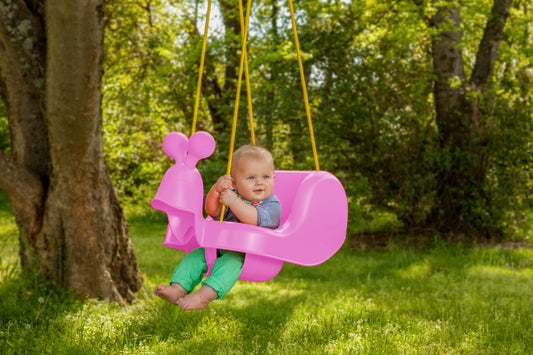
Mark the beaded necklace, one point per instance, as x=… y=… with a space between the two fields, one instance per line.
x=247 y=201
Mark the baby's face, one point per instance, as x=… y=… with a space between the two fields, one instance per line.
x=254 y=179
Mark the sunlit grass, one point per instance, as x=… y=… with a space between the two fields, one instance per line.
x=443 y=300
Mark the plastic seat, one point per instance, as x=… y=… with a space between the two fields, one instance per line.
x=313 y=221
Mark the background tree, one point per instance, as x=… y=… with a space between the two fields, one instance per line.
x=392 y=124
x=463 y=202
x=72 y=228
x=152 y=58
x=144 y=92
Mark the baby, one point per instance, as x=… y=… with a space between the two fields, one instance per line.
x=252 y=202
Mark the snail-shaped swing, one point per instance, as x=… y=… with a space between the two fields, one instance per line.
x=314 y=205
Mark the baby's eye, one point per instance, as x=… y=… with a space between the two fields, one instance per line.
x=251 y=177
x=266 y=177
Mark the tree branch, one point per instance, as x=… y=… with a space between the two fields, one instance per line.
x=25 y=190
x=488 y=47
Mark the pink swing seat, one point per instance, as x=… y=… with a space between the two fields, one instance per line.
x=313 y=220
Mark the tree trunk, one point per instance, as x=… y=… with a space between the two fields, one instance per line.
x=72 y=228
x=220 y=94
x=463 y=204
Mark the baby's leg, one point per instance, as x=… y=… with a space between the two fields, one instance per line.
x=170 y=293
x=224 y=274
x=186 y=276
x=199 y=299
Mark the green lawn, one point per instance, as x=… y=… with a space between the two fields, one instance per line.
x=442 y=300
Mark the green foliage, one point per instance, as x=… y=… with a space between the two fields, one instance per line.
x=380 y=119
x=511 y=178
x=140 y=106
x=370 y=81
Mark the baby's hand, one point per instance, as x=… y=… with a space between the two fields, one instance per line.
x=223 y=183
x=227 y=197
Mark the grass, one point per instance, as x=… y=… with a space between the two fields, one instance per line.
x=441 y=300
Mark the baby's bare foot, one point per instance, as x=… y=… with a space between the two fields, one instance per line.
x=198 y=300
x=170 y=293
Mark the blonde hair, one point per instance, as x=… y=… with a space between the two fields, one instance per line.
x=251 y=151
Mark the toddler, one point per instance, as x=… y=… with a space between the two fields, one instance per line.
x=250 y=201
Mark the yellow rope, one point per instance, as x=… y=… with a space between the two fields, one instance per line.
x=302 y=76
x=201 y=69
x=244 y=63
x=237 y=99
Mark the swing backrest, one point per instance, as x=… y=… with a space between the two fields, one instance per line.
x=286 y=184
x=313 y=226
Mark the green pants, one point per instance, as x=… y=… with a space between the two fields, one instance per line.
x=224 y=273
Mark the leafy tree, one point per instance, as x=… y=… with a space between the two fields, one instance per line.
x=152 y=58
x=382 y=73
x=72 y=228
x=463 y=202
x=371 y=75
x=143 y=92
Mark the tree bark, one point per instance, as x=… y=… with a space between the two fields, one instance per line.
x=72 y=227
x=22 y=78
